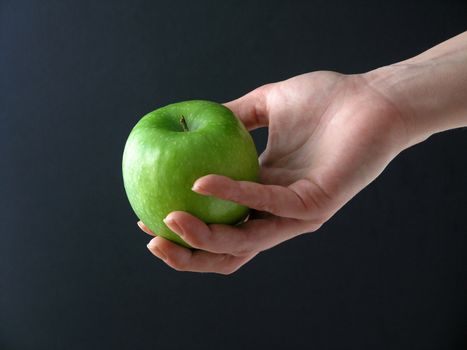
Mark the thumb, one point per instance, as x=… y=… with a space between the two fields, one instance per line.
x=252 y=108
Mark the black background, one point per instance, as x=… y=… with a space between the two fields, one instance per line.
x=389 y=271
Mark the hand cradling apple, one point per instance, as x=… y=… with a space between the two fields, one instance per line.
x=173 y=146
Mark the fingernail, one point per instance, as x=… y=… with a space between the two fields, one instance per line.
x=196 y=188
x=156 y=250
x=169 y=221
x=144 y=228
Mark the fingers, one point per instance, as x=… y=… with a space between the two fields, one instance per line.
x=244 y=240
x=222 y=248
x=183 y=259
x=252 y=108
x=294 y=201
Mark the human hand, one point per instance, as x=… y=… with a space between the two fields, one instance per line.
x=330 y=135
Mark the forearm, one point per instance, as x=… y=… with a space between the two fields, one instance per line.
x=429 y=90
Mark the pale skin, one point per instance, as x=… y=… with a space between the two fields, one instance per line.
x=330 y=135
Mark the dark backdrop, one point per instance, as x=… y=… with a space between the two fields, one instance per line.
x=389 y=271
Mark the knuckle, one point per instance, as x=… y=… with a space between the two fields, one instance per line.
x=198 y=239
x=263 y=205
x=267 y=202
x=313 y=227
x=315 y=201
x=242 y=251
x=234 y=194
x=320 y=192
x=177 y=268
x=243 y=245
x=260 y=196
x=179 y=265
x=260 y=92
x=260 y=96
x=320 y=217
x=228 y=270
x=228 y=265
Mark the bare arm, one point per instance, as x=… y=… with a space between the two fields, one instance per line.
x=430 y=89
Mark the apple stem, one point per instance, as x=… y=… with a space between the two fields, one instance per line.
x=183 y=123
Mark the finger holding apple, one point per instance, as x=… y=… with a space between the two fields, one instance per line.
x=225 y=248
x=183 y=259
x=242 y=243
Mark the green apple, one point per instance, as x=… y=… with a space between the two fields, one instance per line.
x=171 y=147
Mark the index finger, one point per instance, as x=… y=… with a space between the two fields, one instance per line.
x=294 y=201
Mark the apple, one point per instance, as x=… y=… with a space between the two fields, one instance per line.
x=171 y=147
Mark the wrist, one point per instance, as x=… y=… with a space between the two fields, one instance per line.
x=391 y=83
x=429 y=90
